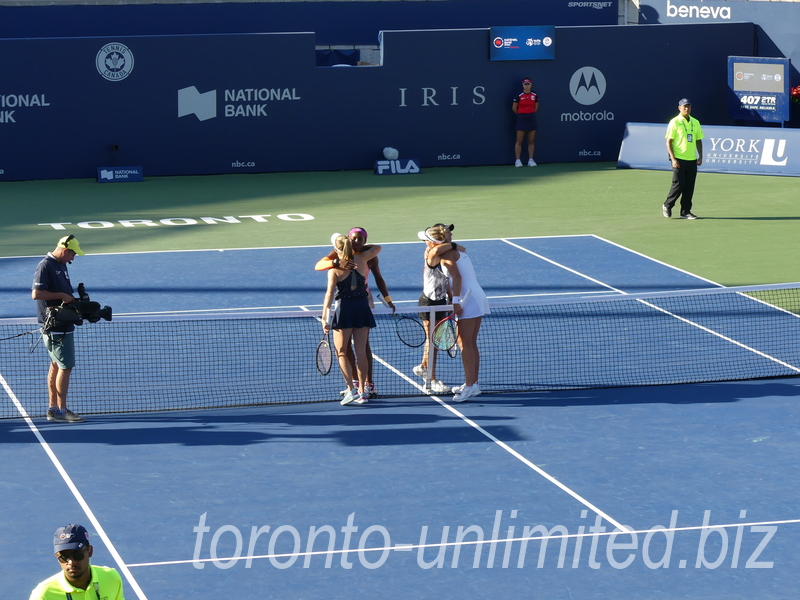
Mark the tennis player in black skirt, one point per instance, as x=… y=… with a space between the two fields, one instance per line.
x=352 y=316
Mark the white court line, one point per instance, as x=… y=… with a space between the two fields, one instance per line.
x=655 y=260
x=566 y=268
x=706 y=329
x=507 y=448
x=75 y=492
x=412 y=547
x=415 y=241
x=719 y=335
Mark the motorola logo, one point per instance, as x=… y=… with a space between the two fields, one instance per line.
x=587 y=86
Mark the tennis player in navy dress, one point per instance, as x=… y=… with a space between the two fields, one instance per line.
x=525 y=106
x=352 y=317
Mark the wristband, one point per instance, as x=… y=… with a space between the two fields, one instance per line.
x=454 y=245
x=456 y=300
x=388 y=298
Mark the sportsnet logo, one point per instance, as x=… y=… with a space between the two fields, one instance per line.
x=191 y=102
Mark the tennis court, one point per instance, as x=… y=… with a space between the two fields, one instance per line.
x=246 y=501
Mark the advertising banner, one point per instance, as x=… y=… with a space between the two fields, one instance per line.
x=194 y=105
x=759 y=88
x=522 y=43
x=742 y=150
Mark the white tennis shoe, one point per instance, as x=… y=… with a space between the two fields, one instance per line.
x=437 y=387
x=469 y=391
x=350 y=397
x=531 y=163
x=421 y=372
x=518 y=163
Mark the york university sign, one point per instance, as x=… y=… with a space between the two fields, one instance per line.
x=744 y=150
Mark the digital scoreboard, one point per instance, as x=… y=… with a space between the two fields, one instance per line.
x=759 y=88
x=522 y=43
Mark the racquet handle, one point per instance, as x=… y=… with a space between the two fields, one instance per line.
x=383 y=300
x=331 y=308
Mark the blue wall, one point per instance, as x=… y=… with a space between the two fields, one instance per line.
x=777 y=33
x=437 y=98
x=333 y=22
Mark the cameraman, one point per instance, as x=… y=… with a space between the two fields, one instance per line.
x=51 y=287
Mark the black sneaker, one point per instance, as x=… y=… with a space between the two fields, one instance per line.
x=53 y=414
x=666 y=211
x=688 y=215
x=65 y=416
x=72 y=417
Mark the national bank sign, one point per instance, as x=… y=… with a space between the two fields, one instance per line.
x=242 y=102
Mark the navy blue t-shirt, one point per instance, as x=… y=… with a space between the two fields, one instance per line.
x=51 y=276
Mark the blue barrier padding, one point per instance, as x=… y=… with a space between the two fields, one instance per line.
x=742 y=150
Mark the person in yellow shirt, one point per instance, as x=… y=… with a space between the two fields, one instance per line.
x=685 y=148
x=78 y=579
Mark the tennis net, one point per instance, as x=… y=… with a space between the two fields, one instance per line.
x=201 y=361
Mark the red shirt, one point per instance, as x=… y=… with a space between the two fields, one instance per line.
x=526 y=103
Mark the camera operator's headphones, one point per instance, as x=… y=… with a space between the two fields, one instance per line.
x=71 y=243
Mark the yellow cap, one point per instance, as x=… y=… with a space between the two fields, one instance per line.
x=71 y=243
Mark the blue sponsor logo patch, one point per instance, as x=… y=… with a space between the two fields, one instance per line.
x=119 y=174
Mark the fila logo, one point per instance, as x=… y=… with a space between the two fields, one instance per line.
x=587 y=86
x=399 y=166
x=191 y=102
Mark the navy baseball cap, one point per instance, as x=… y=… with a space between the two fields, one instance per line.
x=70 y=537
x=684 y=101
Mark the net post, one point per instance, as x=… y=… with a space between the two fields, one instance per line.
x=431 y=349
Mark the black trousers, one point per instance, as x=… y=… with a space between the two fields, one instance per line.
x=682 y=187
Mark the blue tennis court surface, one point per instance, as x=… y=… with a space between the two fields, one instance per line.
x=413 y=498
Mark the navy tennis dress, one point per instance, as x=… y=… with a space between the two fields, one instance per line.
x=352 y=308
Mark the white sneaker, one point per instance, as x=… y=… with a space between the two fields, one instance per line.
x=531 y=163
x=518 y=163
x=469 y=391
x=421 y=372
x=459 y=388
x=350 y=396
x=437 y=387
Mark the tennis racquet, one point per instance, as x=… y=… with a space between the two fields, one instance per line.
x=444 y=334
x=324 y=355
x=408 y=329
x=324 y=351
x=453 y=351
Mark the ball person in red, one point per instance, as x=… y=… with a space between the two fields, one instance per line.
x=525 y=106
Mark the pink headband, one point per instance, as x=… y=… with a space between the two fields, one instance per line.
x=360 y=230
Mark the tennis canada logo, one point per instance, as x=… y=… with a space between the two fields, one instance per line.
x=114 y=61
